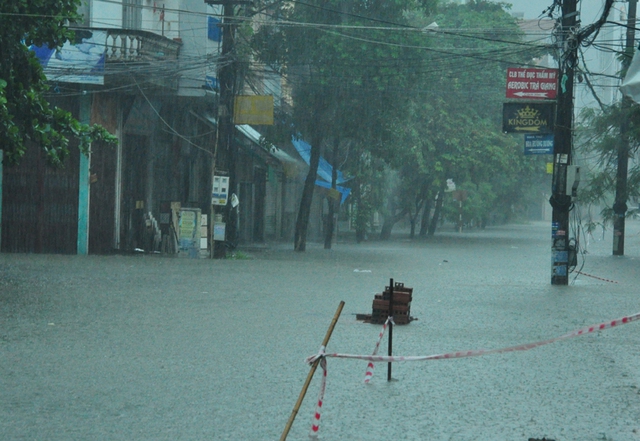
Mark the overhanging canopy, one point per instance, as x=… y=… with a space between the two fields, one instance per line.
x=271 y=154
x=325 y=169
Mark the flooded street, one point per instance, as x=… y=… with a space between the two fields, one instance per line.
x=156 y=348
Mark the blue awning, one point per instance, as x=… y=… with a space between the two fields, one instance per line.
x=325 y=169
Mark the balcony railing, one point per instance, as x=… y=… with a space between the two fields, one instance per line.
x=137 y=46
x=126 y=45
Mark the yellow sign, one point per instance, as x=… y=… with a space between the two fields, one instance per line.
x=550 y=168
x=333 y=194
x=253 y=109
x=187 y=224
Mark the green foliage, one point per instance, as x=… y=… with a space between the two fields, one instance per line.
x=25 y=115
x=426 y=101
x=600 y=137
x=343 y=74
x=367 y=196
x=456 y=133
x=239 y=255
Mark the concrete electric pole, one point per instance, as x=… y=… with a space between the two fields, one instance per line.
x=563 y=143
x=227 y=85
x=570 y=36
x=620 y=204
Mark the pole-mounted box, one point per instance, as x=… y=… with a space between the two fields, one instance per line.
x=573 y=180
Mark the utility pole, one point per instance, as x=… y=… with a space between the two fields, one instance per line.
x=227 y=84
x=620 y=204
x=562 y=149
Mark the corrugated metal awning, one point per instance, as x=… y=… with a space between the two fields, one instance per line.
x=268 y=152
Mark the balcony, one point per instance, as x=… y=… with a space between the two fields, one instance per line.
x=135 y=46
x=137 y=56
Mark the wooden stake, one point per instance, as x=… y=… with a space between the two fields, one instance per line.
x=314 y=366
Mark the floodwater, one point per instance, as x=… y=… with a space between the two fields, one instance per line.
x=157 y=348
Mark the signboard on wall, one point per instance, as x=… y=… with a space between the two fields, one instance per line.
x=538 y=144
x=219 y=231
x=253 y=109
x=189 y=228
x=220 y=191
x=532 y=83
x=528 y=117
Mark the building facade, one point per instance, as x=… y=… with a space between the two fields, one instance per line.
x=147 y=72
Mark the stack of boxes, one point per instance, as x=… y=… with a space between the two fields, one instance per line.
x=401 y=305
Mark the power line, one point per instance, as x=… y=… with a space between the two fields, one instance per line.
x=409 y=27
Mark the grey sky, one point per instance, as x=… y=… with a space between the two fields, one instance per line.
x=590 y=9
x=531 y=9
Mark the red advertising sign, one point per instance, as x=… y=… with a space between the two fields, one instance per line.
x=531 y=83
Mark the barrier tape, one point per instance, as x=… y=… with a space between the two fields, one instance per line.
x=369 y=374
x=596 y=277
x=315 y=426
x=478 y=352
x=313 y=358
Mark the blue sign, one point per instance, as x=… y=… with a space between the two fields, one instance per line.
x=214 y=31
x=211 y=83
x=82 y=61
x=538 y=144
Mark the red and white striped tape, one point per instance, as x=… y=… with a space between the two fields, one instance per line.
x=315 y=424
x=369 y=374
x=478 y=352
x=596 y=277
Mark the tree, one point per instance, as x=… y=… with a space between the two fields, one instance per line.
x=600 y=135
x=454 y=131
x=343 y=81
x=368 y=195
x=427 y=103
x=25 y=115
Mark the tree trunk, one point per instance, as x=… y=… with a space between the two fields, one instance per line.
x=436 y=214
x=414 y=218
x=412 y=221
x=330 y=224
x=424 y=222
x=302 y=222
x=361 y=231
x=389 y=222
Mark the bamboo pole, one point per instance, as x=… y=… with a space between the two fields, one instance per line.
x=314 y=366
